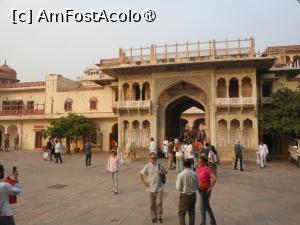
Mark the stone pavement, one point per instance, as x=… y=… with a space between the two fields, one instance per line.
x=71 y=194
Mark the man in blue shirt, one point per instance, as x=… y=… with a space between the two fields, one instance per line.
x=88 y=153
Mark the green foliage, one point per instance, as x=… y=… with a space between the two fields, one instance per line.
x=284 y=115
x=71 y=127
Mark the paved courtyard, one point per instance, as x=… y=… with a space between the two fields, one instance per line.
x=71 y=194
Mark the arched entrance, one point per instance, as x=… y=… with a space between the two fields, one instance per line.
x=173 y=102
x=12 y=130
x=113 y=136
x=173 y=112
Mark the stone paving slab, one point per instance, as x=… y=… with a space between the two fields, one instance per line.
x=71 y=194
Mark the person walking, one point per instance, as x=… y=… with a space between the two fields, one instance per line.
x=171 y=155
x=49 y=148
x=213 y=159
x=152 y=145
x=6 y=189
x=58 y=149
x=187 y=184
x=165 y=147
x=179 y=157
x=151 y=176
x=6 y=143
x=238 y=152
x=263 y=151
x=207 y=180
x=88 y=153
x=17 y=140
x=113 y=167
x=190 y=153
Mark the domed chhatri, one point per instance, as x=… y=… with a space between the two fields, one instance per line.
x=7 y=74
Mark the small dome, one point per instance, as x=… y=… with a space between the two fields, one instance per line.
x=7 y=72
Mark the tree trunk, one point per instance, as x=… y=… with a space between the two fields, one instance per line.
x=68 y=145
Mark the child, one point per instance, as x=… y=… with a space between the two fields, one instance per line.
x=113 y=166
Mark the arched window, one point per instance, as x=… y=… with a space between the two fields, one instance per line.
x=221 y=88
x=146 y=91
x=246 y=87
x=68 y=104
x=233 y=88
x=296 y=61
x=222 y=133
x=135 y=95
x=126 y=92
x=93 y=103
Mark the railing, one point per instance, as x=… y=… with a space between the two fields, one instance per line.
x=38 y=109
x=266 y=100
x=132 y=105
x=198 y=51
x=235 y=101
x=23 y=84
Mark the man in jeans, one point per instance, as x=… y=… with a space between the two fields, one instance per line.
x=238 y=151
x=187 y=184
x=151 y=178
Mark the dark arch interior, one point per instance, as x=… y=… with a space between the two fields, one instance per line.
x=173 y=112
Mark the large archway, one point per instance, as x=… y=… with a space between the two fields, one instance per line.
x=176 y=100
x=173 y=112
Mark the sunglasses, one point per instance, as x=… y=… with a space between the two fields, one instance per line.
x=153 y=158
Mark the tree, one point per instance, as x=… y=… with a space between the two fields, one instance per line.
x=71 y=127
x=283 y=116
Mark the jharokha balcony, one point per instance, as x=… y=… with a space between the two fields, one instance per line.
x=236 y=102
x=131 y=105
x=18 y=110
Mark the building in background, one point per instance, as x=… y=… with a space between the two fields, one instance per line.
x=156 y=91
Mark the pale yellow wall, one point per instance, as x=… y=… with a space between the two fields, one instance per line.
x=81 y=101
x=38 y=96
x=55 y=99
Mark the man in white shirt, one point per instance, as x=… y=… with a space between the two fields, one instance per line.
x=152 y=145
x=263 y=152
x=165 y=147
x=151 y=177
x=187 y=184
x=190 y=153
x=6 y=189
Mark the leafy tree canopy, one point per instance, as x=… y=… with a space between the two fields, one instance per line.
x=283 y=116
x=71 y=127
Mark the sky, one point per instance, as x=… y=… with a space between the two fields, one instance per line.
x=35 y=50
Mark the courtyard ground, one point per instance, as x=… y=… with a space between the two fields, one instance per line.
x=71 y=194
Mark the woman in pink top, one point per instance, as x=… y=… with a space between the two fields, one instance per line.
x=113 y=166
x=206 y=182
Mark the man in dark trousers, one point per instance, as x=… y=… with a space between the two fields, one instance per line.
x=238 y=151
x=88 y=153
x=187 y=184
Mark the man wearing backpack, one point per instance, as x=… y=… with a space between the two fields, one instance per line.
x=238 y=151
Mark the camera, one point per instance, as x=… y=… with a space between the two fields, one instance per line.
x=14 y=169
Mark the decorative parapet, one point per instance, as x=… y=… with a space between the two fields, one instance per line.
x=241 y=101
x=184 y=52
x=127 y=105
